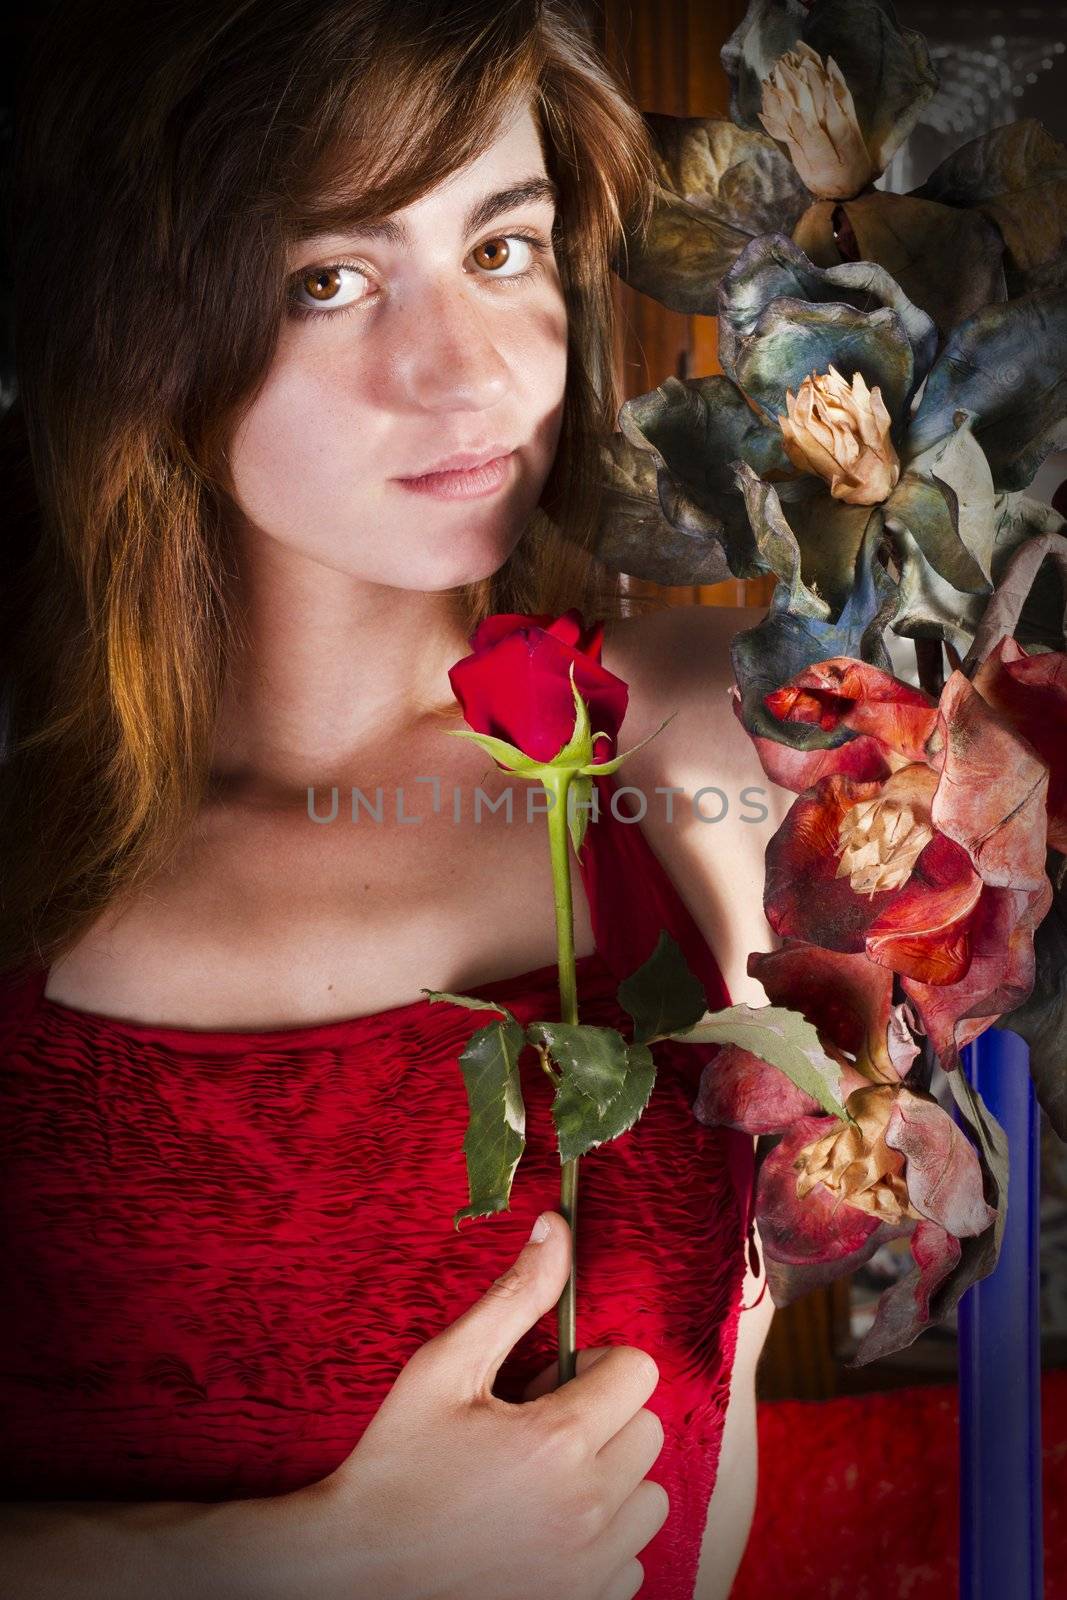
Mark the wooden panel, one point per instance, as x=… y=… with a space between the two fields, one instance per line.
x=798 y=1361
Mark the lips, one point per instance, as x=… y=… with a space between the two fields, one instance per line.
x=464 y=461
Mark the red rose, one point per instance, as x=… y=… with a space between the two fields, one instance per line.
x=515 y=685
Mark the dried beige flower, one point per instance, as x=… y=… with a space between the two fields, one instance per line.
x=855 y=1163
x=808 y=107
x=880 y=840
x=842 y=434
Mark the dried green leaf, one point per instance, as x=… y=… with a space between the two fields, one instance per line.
x=1017 y=177
x=1005 y=367
x=947 y=262
x=649 y=528
x=719 y=186
x=887 y=68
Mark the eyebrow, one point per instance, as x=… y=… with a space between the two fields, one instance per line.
x=480 y=214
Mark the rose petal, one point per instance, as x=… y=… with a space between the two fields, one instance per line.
x=1030 y=692
x=862 y=758
x=903 y=1310
x=502 y=624
x=820 y=1228
x=991 y=796
x=741 y=1090
x=942 y=1171
x=516 y=684
x=568 y=628
x=924 y=928
x=999 y=977
x=803 y=897
x=864 y=698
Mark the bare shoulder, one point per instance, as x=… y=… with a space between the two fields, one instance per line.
x=680 y=642
x=677 y=663
x=710 y=808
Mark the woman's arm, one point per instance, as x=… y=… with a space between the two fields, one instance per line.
x=171 y=1550
x=733 y=1500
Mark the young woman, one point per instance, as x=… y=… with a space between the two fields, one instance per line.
x=284 y=276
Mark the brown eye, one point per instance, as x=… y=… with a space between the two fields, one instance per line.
x=493 y=253
x=322 y=284
x=331 y=287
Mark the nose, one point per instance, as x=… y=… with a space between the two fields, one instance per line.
x=447 y=355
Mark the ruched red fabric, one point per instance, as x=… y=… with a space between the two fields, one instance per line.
x=219 y=1248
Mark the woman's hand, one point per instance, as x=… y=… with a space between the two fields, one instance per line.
x=454 y=1494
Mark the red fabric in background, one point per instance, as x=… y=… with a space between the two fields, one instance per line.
x=858 y=1497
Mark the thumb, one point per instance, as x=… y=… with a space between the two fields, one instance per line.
x=478 y=1341
x=545 y=1381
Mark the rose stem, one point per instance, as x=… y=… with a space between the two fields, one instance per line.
x=559 y=845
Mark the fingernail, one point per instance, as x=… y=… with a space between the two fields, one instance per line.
x=540 y=1229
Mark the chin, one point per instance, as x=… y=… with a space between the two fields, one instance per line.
x=460 y=567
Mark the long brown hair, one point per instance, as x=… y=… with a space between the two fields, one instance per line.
x=166 y=156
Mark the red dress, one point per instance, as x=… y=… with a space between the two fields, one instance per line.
x=219 y=1248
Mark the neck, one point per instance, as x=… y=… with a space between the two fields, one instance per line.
x=330 y=672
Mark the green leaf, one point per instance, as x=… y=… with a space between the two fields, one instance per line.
x=931 y=608
x=1042 y=622
x=929 y=509
x=779 y=550
x=945 y=543
x=829 y=534
x=784 y=1038
x=766 y=31
x=594 y=1059
x=793 y=339
x=814 y=551
x=1005 y=367
x=663 y=994
x=887 y=68
x=580 y=1127
x=496 y=1131
x=718 y=186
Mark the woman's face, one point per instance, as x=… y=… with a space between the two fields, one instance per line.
x=448 y=337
